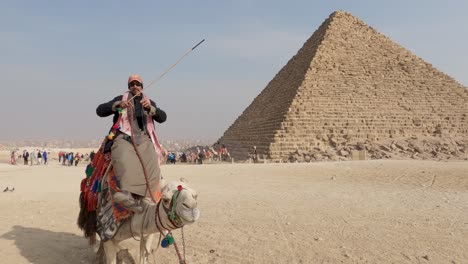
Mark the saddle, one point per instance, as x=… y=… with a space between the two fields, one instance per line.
x=101 y=213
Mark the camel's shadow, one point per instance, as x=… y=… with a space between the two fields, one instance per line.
x=47 y=247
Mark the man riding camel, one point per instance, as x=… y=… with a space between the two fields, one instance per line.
x=135 y=149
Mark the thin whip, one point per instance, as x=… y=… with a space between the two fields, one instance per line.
x=168 y=69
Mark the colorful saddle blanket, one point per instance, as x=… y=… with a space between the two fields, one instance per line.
x=98 y=212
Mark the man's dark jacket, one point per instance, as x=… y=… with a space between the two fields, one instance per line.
x=105 y=109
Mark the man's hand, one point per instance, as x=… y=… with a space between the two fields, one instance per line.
x=124 y=104
x=145 y=102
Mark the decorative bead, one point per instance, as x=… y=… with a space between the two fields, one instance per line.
x=179 y=188
x=89 y=171
x=170 y=239
x=95 y=187
x=164 y=243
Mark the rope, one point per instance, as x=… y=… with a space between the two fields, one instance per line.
x=161 y=230
x=183 y=241
x=171 y=219
x=139 y=156
x=181 y=260
x=143 y=239
x=130 y=119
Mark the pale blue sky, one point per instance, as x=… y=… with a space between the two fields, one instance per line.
x=60 y=59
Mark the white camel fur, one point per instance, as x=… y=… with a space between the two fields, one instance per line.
x=155 y=219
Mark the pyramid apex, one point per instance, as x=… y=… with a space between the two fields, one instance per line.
x=340 y=13
x=341 y=19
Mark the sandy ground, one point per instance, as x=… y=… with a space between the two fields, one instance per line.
x=333 y=212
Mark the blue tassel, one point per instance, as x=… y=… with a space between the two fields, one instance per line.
x=95 y=186
x=165 y=243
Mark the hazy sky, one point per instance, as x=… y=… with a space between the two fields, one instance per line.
x=60 y=59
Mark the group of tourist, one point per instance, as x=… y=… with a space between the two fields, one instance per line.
x=70 y=158
x=41 y=157
x=198 y=155
x=35 y=157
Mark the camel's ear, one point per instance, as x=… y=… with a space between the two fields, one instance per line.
x=166 y=200
x=184 y=180
x=166 y=194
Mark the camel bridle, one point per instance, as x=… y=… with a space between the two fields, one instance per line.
x=173 y=217
x=175 y=221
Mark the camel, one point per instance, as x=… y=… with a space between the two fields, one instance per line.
x=177 y=208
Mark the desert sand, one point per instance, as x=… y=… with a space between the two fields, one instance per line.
x=379 y=211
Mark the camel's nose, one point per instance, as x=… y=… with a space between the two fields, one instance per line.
x=195 y=214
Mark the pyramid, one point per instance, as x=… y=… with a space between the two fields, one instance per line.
x=348 y=83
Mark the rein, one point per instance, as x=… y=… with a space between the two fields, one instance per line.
x=174 y=219
x=141 y=159
x=172 y=216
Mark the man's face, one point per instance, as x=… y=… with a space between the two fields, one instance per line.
x=135 y=87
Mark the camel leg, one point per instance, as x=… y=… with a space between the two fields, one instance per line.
x=110 y=250
x=100 y=254
x=148 y=244
x=145 y=248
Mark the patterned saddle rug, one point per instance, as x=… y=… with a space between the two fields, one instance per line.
x=99 y=214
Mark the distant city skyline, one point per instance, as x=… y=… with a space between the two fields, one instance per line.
x=61 y=60
x=170 y=145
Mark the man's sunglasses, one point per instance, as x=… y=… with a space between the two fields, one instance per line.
x=134 y=84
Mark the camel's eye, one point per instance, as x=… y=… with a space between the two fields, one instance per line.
x=186 y=206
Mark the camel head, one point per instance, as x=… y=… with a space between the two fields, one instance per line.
x=181 y=201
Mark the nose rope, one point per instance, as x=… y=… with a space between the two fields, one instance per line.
x=161 y=226
x=172 y=214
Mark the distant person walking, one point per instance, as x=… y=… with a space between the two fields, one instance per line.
x=39 y=157
x=201 y=156
x=44 y=156
x=70 y=158
x=60 y=155
x=25 y=157
x=254 y=154
x=13 y=157
x=172 y=158
x=77 y=159
x=33 y=157
x=91 y=155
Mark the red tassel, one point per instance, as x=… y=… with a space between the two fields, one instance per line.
x=83 y=185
